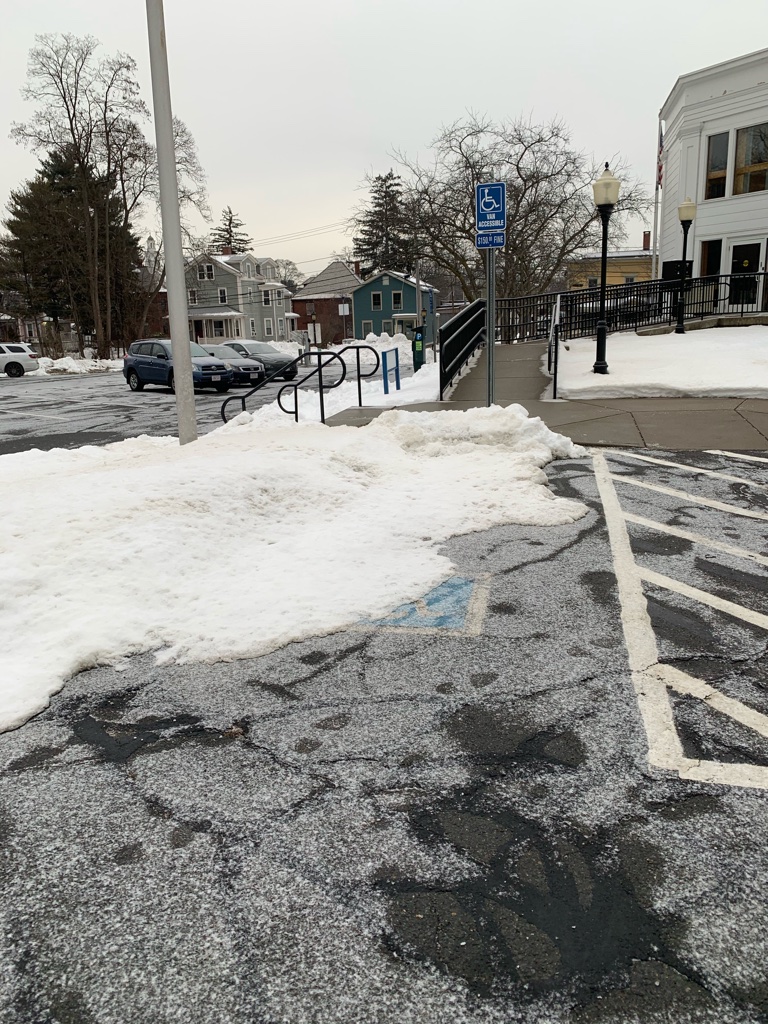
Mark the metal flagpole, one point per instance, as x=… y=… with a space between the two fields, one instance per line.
x=169 y=207
x=659 y=173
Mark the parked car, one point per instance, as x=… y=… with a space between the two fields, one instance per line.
x=245 y=370
x=151 y=362
x=273 y=360
x=17 y=358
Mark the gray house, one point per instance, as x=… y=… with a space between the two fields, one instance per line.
x=229 y=296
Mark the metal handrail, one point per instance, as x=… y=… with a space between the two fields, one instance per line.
x=317 y=370
x=553 y=348
x=458 y=345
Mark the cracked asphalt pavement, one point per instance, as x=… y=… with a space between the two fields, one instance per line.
x=386 y=826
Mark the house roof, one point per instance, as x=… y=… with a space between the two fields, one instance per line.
x=212 y=312
x=617 y=254
x=336 y=281
x=758 y=57
x=424 y=285
x=209 y=257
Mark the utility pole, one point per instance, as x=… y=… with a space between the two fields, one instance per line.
x=169 y=207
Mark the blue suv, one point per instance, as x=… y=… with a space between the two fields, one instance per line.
x=151 y=362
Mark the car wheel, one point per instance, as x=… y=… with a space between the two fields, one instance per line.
x=222 y=387
x=172 y=383
x=290 y=376
x=14 y=369
x=134 y=381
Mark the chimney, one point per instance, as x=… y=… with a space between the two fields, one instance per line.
x=226 y=250
x=357 y=267
x=646 y=241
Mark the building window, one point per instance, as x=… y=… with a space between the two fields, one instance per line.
x=270 y=274
x=253 y=327
x=222 y=296
x=629 y=279
x=310 y=308
x=717 y=164
x=218 y=328
x=237 y=328
x=591 y=282
x=385 y=280
x=281 y=328
x=711 y=256
x=279 y=297
x=375 y=301
x=268 y=332
x=250 y=294
x=367 y=328
x=397 y=300
x=247 y=269
x=267 y=297
x=192 y=293
x=30 y=333
x=751 y=159
x=205 y=272
x=386 y=327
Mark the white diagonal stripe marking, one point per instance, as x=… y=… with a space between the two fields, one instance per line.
x=692 y=498
x=697 y=538
x=737 y=611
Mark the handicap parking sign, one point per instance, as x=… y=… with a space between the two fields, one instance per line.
x=491 y=206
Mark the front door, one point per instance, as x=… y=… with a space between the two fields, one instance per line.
x=745 y=266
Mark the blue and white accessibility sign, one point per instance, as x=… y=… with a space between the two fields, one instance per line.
x=491 y=240
x=491 y=207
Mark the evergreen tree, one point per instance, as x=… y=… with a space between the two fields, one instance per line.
x=384 y=239
x=229 y=234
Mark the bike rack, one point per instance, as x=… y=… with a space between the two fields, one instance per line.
x=318 y=370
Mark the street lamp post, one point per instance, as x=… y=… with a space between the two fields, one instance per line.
x=606 y=193
x=687 y=213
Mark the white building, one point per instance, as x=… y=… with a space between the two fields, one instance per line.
x=716 y=152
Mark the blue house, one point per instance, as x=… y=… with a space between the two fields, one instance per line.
x=386 y=304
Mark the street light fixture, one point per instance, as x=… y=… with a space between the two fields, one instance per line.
x=687 y=213
x=606 y=193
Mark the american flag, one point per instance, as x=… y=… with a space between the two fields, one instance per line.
x=660 y=161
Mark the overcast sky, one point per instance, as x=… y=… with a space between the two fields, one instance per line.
x=292 y=103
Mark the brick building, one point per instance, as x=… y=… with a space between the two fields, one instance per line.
x=318 y=302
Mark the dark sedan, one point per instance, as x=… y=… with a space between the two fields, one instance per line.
x=273 y=360
x=245 y=369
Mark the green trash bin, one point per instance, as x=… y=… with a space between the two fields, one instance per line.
x=417 y=347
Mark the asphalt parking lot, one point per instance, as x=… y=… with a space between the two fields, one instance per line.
x=536 y=795
x=67 y=411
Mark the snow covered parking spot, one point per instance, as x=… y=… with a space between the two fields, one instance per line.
x=721 y=362
x=253 y=537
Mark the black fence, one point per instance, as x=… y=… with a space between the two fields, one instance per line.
x=629 y=306
x=459 y=339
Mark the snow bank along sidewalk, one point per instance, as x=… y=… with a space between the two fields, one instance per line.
x=49 y=367
x=721 y=362
x=250 y=538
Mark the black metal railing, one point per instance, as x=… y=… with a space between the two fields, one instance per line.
x=324 y=360
x=553 y=348
x=629 y=306
x=459 y=339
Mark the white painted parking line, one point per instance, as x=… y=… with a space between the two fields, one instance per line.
x=735 y=455
x=687 y=468
x=697 y=538
x=737 y=611
x=652 y=680
x=693 y=499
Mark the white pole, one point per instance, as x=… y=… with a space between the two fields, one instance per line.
x=655 y=259
x=169 y=207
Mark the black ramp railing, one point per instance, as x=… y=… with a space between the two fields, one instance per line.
x=324 y=360
x=459 y=339
x=629 y=306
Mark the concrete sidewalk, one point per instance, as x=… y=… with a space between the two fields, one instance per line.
x=676 y=423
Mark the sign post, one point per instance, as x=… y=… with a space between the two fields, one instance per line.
x=491 y=224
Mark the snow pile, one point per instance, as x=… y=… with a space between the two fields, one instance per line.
x=239 y=543
x=70 y=365
x=720 y=362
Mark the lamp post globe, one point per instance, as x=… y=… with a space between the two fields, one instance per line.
x=686 y=213
x=606 y=193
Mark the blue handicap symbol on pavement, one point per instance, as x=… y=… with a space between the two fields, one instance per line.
x=445 y=607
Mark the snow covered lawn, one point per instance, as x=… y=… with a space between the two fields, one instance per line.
x=722 y=362
x=254 y=536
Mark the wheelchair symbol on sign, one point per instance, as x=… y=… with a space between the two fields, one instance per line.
x=488 y=204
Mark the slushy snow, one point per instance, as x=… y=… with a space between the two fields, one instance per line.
x=254 y=536
x=720 y=362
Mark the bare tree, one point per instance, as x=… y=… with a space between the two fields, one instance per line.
x=89 y=107
x=550 y=212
